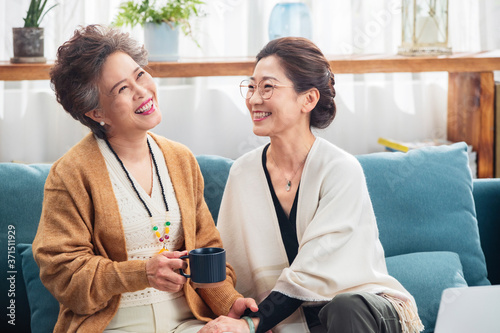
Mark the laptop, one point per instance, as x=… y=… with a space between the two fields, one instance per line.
x=469 y=310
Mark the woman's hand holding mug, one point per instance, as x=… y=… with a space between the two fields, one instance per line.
x=207 y=266
x=161 y=271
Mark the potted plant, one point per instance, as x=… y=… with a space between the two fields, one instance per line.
x=161 y=21
x=28 y=41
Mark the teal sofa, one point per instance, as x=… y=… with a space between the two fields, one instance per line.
x=439 y=227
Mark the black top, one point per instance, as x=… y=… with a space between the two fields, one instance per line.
x=277 y=307
x=288 y=225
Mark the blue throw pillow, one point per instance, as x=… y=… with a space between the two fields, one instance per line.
x=423 y=202
x=44 y=307
x=425 y=275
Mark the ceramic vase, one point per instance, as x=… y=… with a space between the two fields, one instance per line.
x=161 y=41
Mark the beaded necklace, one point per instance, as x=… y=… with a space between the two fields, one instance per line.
x=161 y=239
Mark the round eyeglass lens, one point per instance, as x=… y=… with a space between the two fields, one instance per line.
x=246 y=89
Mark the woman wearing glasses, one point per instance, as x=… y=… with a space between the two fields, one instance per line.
x=296 y=218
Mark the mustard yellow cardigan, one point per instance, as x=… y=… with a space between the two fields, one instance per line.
x=80 y=243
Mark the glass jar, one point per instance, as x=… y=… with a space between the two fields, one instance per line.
x=424 y=27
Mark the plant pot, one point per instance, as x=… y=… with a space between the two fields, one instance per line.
x=161 y=41
x=28 y=45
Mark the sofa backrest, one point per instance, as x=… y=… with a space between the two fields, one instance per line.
x=21 y=195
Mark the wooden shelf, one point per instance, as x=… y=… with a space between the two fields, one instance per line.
x=471 y=115
x=352 y=64
x=459 y=62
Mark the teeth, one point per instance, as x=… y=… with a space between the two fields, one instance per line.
x=145 y=107
x=260 y=115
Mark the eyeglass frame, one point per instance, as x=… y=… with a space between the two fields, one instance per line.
x=274 y=85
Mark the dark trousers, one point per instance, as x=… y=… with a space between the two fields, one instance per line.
x=359 y=312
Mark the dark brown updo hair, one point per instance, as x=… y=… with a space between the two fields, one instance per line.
x=78 y=68
x=306 y=66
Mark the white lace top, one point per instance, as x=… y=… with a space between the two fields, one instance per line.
x=140 y=240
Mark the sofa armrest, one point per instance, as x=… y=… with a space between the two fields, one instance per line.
x=487 y=200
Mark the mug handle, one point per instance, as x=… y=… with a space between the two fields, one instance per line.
x=180 y=269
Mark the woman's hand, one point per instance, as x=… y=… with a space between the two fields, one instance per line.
x=240 y=305
x=161 y=274
x=226 y=324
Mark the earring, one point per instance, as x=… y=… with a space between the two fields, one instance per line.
x=102 y=123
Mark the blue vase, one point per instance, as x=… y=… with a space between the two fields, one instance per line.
x=290 y=19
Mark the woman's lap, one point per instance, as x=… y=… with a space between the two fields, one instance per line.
x=173 y=316
x=360 y=312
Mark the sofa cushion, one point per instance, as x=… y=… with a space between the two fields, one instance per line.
x=425 y=275
x=44 y=308
x=423 y=202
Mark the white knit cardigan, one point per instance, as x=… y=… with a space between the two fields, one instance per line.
x=339 y=249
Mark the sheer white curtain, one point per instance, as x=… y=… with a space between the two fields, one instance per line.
x=208 y=114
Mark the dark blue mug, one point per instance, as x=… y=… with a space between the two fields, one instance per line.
x=207 y=266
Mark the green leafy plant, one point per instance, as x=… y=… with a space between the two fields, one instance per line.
x=173 y=12
x=36 y=13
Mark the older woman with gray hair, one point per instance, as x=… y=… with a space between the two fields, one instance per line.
x=123 y=205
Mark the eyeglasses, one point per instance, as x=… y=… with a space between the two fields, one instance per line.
x=265 y=88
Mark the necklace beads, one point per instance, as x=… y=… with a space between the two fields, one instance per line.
x=166 y=232
x=165 y=236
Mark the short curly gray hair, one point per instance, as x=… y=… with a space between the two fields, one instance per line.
x=78 y=68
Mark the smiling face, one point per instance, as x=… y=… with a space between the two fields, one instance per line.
x=127 y=98
x=283 y=112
